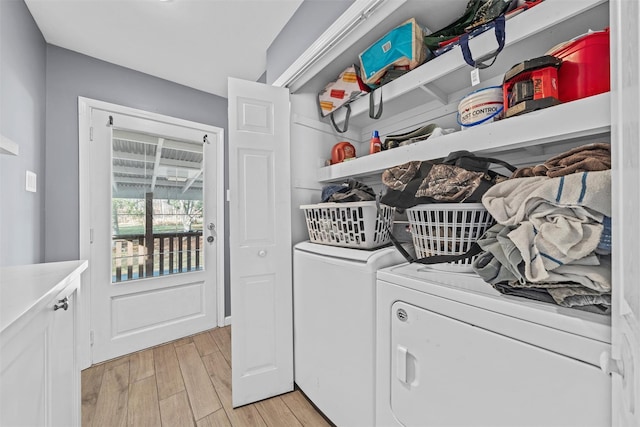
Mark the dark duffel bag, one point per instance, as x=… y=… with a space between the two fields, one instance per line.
x=461 y=177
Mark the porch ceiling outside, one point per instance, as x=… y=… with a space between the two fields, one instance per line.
x=142 y=163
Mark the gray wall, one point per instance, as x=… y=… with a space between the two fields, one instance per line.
x=311 y=19
x=22 y=119
x=69 y=75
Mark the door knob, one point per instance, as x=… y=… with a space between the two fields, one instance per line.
x=262 y=253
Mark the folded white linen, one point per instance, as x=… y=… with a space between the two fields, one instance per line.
x=511 y=201
x=558 y=220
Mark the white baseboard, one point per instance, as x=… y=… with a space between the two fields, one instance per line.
x=227 y=321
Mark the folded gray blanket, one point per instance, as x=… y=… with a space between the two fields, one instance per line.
x=502 y=261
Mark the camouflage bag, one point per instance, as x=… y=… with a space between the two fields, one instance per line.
x=461 y=177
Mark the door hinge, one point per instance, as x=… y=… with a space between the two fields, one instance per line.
x=610 y=365
x=91 y=338
x=228 y=195
x=91 y=133
x=91 y=235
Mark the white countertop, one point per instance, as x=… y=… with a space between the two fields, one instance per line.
x=25 y=289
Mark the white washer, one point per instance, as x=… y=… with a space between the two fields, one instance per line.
x=334 y=300
x=453 y=351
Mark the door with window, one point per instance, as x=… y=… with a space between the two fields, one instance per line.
x=154 y=250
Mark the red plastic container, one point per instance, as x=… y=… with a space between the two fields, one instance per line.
x=585 y=66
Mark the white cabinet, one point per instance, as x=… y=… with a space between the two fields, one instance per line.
x=39 y=374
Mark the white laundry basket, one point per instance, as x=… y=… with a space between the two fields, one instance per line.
x=448 y=229
x=349 y=224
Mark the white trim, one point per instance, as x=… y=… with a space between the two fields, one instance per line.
x=358 y=13
x=85 y=340
x=227 y=321
x=221 y=191
x=7 y=146
x=84 y=107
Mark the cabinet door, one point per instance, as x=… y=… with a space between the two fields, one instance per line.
x=64 y=377
x=24 y=367
x=260 y=241
x=39 y=375
x=625 y=133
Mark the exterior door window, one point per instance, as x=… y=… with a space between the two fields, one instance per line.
x=157 y=206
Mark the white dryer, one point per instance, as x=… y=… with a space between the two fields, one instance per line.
x=452 y=351
x=334 y=302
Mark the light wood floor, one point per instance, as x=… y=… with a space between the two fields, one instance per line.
x=183 y=383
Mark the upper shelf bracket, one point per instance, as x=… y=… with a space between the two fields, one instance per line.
x=436 y=93
x=7 y=146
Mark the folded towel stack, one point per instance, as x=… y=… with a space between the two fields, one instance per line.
x=552 y=237
x=590 y=157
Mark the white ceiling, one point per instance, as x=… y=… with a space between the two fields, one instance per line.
x=197 y=43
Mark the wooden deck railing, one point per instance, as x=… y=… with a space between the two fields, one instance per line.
x=170 y=253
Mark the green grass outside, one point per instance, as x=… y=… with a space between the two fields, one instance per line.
x=139 y=229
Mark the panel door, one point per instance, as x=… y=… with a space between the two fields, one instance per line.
x=624 y=362
x=260 y=241
x=154 y=260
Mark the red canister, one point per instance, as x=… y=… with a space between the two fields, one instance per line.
x=342 y=151
x=585 y=66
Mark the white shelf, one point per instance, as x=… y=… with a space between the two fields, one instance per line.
x=543 y=26
x=582 y=119
x=7 y=146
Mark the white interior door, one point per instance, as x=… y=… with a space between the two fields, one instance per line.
x=155 y=260
x=260 y=241
x=625 y=134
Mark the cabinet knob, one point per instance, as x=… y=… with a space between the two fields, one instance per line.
x=262 y=253
x=63 y=303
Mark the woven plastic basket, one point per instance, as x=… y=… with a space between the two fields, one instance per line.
x=350 y=224
x=448 y=229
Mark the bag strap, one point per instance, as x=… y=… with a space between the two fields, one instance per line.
x=499 y=162
x=346 y=120
x=499 y=24
x=474 y=249
x=452 y=158
x=372 y=114
x=399 y=247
